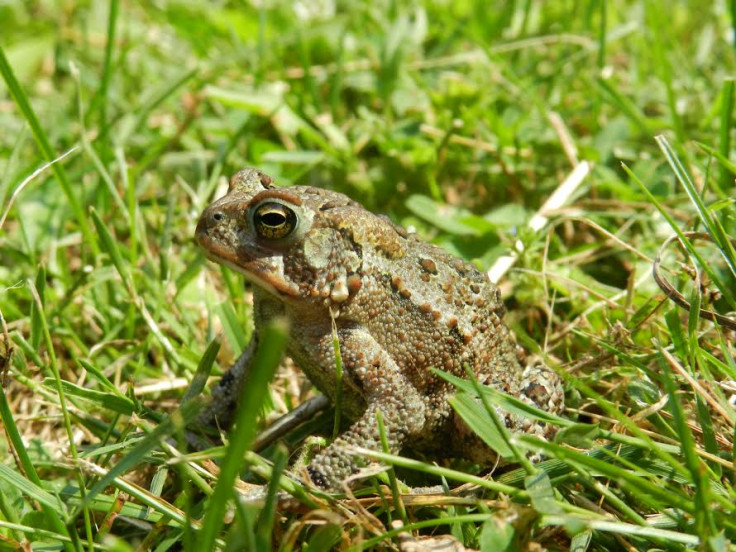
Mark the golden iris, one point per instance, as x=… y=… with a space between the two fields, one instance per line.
x=274 y=220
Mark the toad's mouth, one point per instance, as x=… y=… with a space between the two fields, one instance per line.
x=258 y=271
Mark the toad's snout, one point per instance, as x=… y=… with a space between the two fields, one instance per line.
x=208 y=223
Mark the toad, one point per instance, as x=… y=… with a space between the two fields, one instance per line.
x=400 y=306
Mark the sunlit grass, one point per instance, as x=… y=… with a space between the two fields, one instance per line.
x=454 y=119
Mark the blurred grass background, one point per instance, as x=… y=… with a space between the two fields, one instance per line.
x=458 y=119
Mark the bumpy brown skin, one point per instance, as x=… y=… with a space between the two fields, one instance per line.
x=400 y=306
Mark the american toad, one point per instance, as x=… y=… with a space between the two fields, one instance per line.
x=400 y=307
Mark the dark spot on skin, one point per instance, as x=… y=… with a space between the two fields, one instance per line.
x=317 y=478
x=354 y=283
x=331 y=205
x=428 y=265
x=227 y=379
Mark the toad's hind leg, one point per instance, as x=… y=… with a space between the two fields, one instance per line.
x=538 y=386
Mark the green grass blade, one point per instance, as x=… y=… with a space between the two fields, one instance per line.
x=253 y=393
x=476 y=417
x=437 y=471
x=602 y=27
x=43 y=143
x=703 y=518
x=393 y=481
x=625 y=105
x=121 y=405
x=649 y=534
x=372 y=543
x=338 y=380
x=653 y=491
x=59 y=388
x=36 y=536
x=231 y=326
x=267 y=516
x=203 y=371
x=507 y=402
x=28 y=488
x=724 y=141
x=611 y=410
x=542 y=493
x=722 y=159
x=725 y=290
x=36 y=326
x=658 y=26
x=716 y=232
x=732 y=13
x=107 y=69
x=110 y=246
x=51 y=513
x=177 y=420
x=145 y=497
x=97 y=374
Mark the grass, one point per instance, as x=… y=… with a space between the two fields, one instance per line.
x=452 y=118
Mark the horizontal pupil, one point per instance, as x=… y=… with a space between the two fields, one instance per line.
x=273 y=219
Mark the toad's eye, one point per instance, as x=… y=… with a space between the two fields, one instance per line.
x=274 y=220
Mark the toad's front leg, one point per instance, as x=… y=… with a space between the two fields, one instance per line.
x=219 y=412
x=385 y=389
